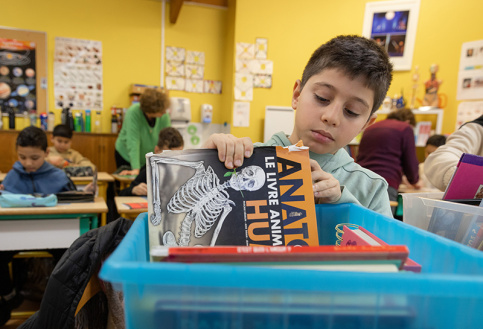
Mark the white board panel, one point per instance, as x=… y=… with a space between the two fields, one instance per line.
x=278 y=118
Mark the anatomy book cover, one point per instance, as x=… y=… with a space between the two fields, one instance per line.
x=193 y=199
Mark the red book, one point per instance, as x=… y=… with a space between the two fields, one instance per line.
x=280 y=254
x=362 y=237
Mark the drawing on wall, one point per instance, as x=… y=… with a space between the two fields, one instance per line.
x=175 y=69
x=262 y=81
x=212 y=86
x=261 y=66
x=175 y=83
x=242 y=65
x=261 y=48
x=193 y=71
x=18 y=75
x=243 y=87
x=195 y=57
x=393 y=25
x=245 y=50
x=470 y=75
x=194 y=85
x=78 y=74
x=241 y=114
x=175 y=54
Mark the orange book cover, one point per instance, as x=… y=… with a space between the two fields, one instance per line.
x=193 y=199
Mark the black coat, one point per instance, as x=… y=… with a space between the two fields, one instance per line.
x=72 y=273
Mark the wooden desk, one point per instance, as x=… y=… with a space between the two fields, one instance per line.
x=47 y=227
x=124 y=180
x=125 y=211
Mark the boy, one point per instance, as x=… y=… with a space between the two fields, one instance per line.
x=343 y=84
x=169 y=139
x=31 y=173
x=61 y=155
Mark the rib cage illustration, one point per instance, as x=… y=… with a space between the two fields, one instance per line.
x=204 y=200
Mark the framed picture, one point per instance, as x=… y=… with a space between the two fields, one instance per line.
x=393 y=24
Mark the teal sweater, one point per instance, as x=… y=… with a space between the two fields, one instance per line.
x=358 y=185
x=137 y=138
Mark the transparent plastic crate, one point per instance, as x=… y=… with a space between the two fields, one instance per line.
x=448 y=293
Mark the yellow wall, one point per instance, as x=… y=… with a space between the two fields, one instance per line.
x=295 y=29
x=130 y=31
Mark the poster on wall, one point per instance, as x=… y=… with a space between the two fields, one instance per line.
x=393 y=25
x=17 y=75
x=468 y=111
x=78 y=74
x=470 y=76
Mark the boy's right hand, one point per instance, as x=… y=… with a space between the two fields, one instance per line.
x=140 y=189
x=231 y=150
x=129 y=172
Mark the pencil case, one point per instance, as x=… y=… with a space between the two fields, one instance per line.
x=11 y=200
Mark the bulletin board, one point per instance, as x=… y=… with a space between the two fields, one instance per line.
x=278 y=118
x=23 y=69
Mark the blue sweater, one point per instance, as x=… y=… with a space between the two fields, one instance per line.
x=47 y=180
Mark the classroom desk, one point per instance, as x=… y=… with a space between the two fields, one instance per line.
x=124 y=180
x=48 y=227
x=125 y=211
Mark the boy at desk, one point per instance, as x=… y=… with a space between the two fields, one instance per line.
x=31 y=173
x=169 y=139
x=342 y=86
x=61 y=154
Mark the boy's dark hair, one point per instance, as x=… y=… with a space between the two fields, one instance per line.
x=436 y=140
x=32 y=137
x=154 y=101
x=355 y=56
x=62 y=131
x=403 y=115
x=170 y=137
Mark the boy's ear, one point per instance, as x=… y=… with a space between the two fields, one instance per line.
x=296 y=94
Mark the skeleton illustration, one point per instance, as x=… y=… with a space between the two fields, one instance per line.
x=202 y=198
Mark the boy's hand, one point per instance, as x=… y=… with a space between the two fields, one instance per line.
x=2 y=187
x=231 y=150
x=326 y=187
x=90 y=188
x=129 y=172
x=56 y=160
x=140 y=189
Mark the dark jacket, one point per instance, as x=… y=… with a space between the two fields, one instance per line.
x=47 y=180
x=141 y=178
x=72 y=273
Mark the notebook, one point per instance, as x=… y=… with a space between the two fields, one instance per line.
x=467 y=180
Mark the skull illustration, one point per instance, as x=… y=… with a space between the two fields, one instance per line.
x=250 y=178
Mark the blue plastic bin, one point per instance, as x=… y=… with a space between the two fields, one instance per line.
x=447 y=294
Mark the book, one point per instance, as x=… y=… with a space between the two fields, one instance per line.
x=193 y=199
x=362 y=237
x=348 y=258
x=136 y=205
x=467 y=180
x=422 y=131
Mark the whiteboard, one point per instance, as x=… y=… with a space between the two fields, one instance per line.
x=278 y=118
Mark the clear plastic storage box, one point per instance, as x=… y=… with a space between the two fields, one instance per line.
x=428 y=212
x=447 y=294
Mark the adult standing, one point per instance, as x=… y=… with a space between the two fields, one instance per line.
x=140 y=130
x=388 y=148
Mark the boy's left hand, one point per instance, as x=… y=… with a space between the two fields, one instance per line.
x=326 y=187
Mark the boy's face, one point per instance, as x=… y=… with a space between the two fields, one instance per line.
x=331 y=110
x=61 y=144
x=31 y=158
x=429 y=149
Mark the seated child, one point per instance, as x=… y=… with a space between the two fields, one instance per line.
x=61 y=154
x=343 y=84
x=169 y=139
x=31 y=173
